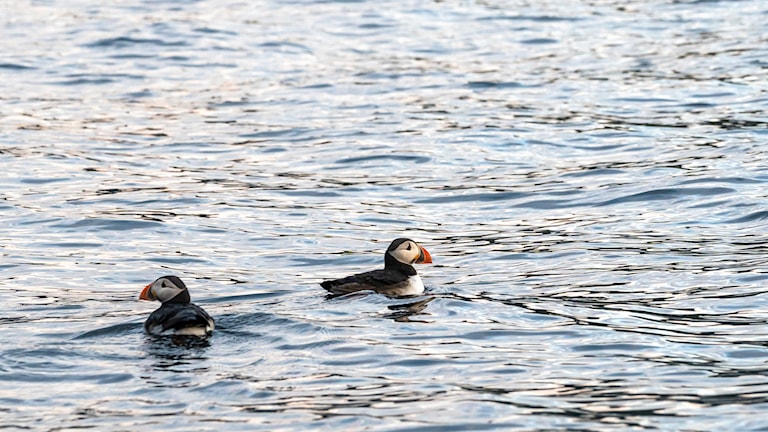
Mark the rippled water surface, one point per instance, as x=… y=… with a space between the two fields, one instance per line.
x=590 y=179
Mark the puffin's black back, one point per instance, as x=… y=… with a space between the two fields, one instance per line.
x=391 y=278
x=178 y=316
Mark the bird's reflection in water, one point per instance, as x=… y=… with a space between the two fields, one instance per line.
x=177 y=353
x=401 y=312
x=406 y=311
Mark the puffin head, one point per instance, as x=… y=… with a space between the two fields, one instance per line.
x=166 y=289
x=408 y=252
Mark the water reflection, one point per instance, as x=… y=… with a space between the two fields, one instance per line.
x=403 y=310
x=181 y=354
x=593 y=177
x=407 y=311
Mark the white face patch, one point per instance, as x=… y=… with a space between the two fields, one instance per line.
x=164 y=290
x=407 y=253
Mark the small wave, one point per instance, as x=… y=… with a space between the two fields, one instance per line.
x=113 y=330
x=410 y=158
x=539 y=41
x=666 y=194
x=15 y=66
x=276 y=133
x=534 y=18
x=485 y=196
x=101 y=224
x=283 y=45
x=756 y=216
x=125 y=42
x=493 y=84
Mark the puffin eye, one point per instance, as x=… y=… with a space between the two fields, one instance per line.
x=409 y=247
x=164 y=284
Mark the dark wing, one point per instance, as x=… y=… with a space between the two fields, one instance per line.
x=376 y=280
x=174 y=316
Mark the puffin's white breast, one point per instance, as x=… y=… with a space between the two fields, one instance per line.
x=411 y=286
x=157 y=329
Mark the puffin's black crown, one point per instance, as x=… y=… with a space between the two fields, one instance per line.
x=397 y=242
x=176 y=281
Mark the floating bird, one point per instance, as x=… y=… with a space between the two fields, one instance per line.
x=397 y=278
x=177 y=316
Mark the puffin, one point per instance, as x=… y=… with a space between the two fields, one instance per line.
x=397 y=278
x=176 y=316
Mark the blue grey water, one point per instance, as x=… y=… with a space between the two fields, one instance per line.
x=589 y=177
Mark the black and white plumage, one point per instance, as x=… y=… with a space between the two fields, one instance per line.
x=177 y=316
x=397 y=278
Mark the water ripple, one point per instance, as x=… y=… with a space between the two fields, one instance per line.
x=589 y=181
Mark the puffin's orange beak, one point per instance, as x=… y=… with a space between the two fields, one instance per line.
x=145 y=295
x=425 y=257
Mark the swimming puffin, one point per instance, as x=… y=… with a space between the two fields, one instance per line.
x=177 y=316
x=397 y=278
